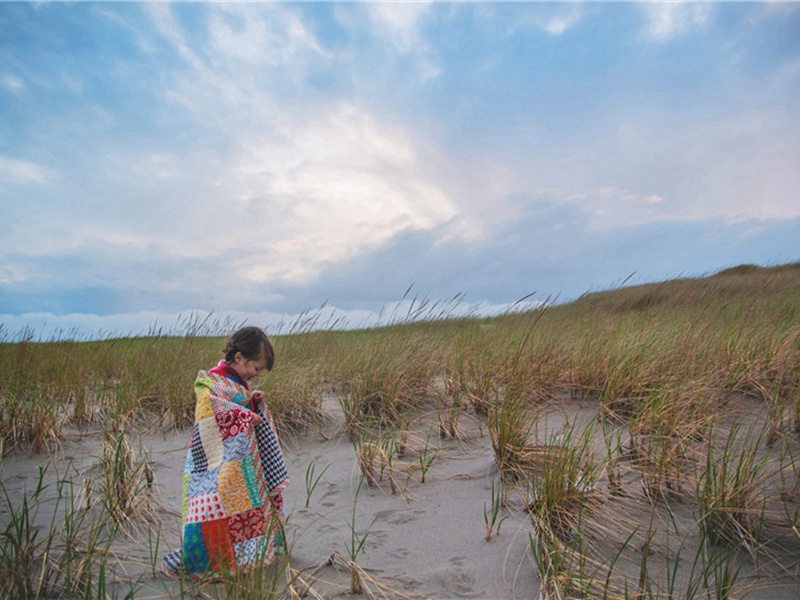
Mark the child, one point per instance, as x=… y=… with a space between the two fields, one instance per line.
x=234 y=473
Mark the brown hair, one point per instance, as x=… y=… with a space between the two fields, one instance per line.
x=250 y=341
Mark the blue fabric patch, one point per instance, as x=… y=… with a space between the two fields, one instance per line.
x=194 y=555
x=236 y=447
x=188 y=464
x=203 y=483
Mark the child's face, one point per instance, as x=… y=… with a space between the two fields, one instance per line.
x=248 y=368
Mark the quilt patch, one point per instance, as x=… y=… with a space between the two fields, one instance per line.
x=206 y=507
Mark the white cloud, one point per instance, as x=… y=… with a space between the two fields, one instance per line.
x=401 y=22
x=614 y=207
x=307 y=184
x=342 y=179
x=555 y=19
x=282 y=204
x=162 y=165
x=14 y=170
x=345 y=184
x=737 y=165
x=167 y=25
x=745 y=166
x=558 y=24
x=45 y=325
x=396 y=34
x=10 y=274
x=12 y=84
x=247 y=33
x=667 y=20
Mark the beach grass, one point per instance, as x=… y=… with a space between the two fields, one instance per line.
x=692 y=388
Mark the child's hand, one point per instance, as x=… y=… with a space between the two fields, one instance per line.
x=255 y=401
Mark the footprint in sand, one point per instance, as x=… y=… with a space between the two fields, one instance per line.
x=400 y=553
x=377 y=539
x=396 y=517
x=463 y=585
x=328 y=500
x=328 y=528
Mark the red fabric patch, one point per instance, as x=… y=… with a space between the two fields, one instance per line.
x=219 y=547
x=277 y=502
x=247 y=525
x=233 y=422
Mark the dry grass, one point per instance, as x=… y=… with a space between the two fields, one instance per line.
x=661 y=366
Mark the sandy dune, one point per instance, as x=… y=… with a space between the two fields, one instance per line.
x=426 y=540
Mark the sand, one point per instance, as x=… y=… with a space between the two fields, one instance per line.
x=426 y=540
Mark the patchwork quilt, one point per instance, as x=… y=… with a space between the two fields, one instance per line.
x=233 y=478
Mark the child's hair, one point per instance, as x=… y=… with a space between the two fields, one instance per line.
x=250 y=341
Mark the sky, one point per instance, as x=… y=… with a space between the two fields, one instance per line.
x=273 y=162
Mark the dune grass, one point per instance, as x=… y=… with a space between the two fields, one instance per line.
x=664 y=368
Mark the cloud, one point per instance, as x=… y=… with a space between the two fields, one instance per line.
x=342 y=183
x=551 y=249
x=243 y=32
x=12 y=84
x=558 y=23
x=401 y=23
x=552 y=18
x=261 y=158
x=10 y=274
x=16 y=171
x=46 y=325
x=668 y=20
x=339 y=177
x=394 y=42
x=269 y=192
x=654 y=165
x=79 y=326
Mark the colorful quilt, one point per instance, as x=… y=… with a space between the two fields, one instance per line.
x=233 y=478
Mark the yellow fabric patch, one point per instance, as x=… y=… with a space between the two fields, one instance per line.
x=233 y=489
x=203 y=409
x=185 y=503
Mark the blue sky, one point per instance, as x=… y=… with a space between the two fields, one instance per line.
x=259 y=160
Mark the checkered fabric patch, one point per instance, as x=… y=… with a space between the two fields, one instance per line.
x=272 y=461
x=199 y=462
